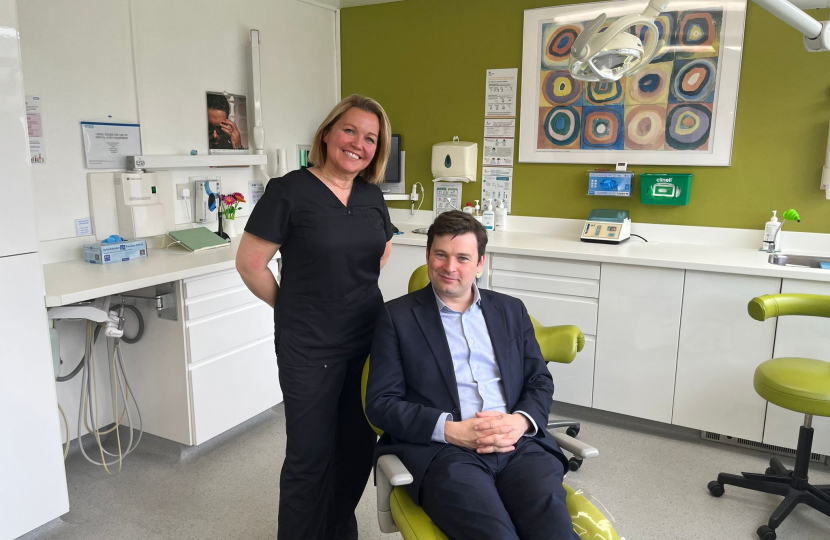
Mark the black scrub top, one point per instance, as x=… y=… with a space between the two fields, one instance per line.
x=329 y=298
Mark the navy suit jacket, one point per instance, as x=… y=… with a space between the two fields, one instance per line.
x=412 y=379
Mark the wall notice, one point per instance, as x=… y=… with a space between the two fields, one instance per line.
x=37 y=148
x=107 y=145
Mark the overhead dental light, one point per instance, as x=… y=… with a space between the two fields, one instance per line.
x=616 y=53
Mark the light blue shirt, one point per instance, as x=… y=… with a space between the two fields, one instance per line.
x=477 y=374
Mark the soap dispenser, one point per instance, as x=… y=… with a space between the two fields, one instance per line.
x=477 y=213
x=501 y=216
x=489 y=216
x=771 y=231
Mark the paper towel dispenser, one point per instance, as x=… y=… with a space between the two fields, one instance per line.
x=455 y=160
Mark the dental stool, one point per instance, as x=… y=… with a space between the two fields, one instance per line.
x=797 y=384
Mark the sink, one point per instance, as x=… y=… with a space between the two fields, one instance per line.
x=806 y=261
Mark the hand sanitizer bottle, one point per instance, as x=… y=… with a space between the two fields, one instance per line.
x=771 y=230
x=489 y=216
x=477 y=212
x=501 y=217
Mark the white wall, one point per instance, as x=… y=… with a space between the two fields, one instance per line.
x=152 y=61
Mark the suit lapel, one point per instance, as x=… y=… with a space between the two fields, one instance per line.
x=429 y=319
x=497 y=328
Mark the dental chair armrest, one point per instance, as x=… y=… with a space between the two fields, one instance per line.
x=394 y=470
x=389 y=472
x=574 y=446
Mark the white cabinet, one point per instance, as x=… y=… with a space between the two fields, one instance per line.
x=637 y=334
x=556 y=292
x=394 y=278
x=32 y=477
x=807 y=337
x=720 y=347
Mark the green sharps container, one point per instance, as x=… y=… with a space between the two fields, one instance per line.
x=665 y=189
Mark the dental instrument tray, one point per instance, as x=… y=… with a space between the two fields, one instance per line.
x=607 y=227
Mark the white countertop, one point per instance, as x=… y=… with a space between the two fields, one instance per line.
x=73 y=281
x=707 y=258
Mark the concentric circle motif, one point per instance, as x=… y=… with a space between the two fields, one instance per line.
x=665 y=24
x=558 y=45
x=649 y=85
x=561 y=89
x=697 y=29
x=688 y=126
x=645 y=127
x=602 y=128
x=604 y=93
x=694 y=80
x=561 y=126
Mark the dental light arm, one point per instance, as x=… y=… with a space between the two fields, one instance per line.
x=613 y=54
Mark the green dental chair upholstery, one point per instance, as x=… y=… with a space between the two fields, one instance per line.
x=398 y=512
x=797 y=384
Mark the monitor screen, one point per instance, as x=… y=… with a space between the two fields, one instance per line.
x=393 y=167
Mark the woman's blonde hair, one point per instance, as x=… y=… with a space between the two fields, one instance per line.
x=376 y=170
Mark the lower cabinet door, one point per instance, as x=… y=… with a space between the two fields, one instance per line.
x=638 y=325
x=394 y=278
x=805 y=337
x=574 y=382
x=230 y=389
x=720 y=348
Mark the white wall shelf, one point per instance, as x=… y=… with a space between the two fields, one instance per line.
x=179 y=162
x=396 y=196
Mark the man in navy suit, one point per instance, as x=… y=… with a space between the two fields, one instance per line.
x=458 y=383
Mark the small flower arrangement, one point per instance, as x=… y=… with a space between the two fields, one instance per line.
x=230 y=204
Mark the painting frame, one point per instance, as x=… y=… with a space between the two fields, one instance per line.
x=721 y=105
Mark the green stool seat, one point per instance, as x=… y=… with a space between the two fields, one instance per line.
x=797 y=384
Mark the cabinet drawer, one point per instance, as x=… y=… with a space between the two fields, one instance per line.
x=554 y=310
x=213 y=335
x=546 y=284
x=543 y=265
x=574 y=382
x=231 y=389
x=217 y=281
x=209 y=304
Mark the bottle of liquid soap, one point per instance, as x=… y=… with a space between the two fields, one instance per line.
x=468 y=209
x=501 y=216
x=772 y=230
x=477 y=212
x=489 y=216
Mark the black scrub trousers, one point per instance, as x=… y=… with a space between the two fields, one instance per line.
x=324 y=319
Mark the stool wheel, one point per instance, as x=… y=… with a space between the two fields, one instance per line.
x=572 y=431
x=765 y=532
x=715 y=488
x=574 y=464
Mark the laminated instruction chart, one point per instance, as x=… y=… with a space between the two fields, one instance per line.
x=499 y=136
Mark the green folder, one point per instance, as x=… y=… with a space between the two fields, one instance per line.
x=198 y=239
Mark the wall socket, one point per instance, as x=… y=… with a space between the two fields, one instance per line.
x=179 y=189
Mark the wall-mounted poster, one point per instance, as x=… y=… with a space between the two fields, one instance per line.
x=679 y=110
x=227 y=116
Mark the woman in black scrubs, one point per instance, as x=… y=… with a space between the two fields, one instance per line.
x=332 y=228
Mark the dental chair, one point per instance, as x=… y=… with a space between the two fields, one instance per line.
x=398 y=512
x=797 y=384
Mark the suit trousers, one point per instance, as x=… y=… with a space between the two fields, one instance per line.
x=511 y=496
x=329 y=450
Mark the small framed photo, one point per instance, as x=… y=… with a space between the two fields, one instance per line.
x=227 y=116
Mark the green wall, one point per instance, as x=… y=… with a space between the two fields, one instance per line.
x=425 y=62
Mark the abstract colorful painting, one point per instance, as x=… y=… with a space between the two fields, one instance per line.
x=680 y=109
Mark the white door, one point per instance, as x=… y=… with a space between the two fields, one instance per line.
x=807 y=337
x=637 y=333
x=15 y=169
x=720 y=347
x=32 y=476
